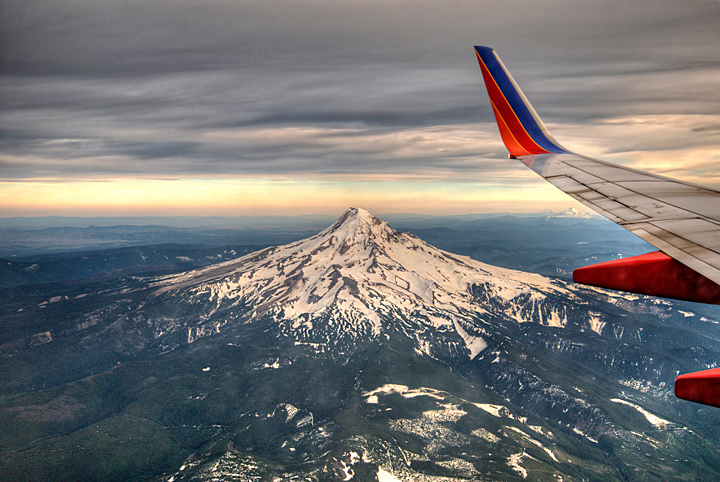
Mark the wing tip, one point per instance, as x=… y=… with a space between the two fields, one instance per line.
x=521 y=129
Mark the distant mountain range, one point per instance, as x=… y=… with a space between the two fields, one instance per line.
x=359 y=353
x=95 y=265
x=75 y=249
x=569 y=213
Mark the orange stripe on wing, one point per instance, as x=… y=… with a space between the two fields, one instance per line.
x=514 y=135
x=512 y=144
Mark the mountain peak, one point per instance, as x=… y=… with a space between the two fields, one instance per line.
x=356 y=213
x=357 y=226
x=568 y=213
x=356 y=275
x=356 y=218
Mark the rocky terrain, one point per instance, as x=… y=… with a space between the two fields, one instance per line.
x=360 y=353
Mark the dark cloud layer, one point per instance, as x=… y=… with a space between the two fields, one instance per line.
x=176 y=88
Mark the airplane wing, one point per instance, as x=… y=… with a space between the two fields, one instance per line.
x=681 y=219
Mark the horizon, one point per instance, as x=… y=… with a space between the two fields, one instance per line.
x=25 y=236
x=582 y=211
x=224 y=198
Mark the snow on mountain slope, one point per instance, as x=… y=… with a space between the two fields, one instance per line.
x=569 y=213
x=359 y=272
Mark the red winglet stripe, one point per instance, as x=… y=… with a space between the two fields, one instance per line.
x=516 y=138
x=512 y=144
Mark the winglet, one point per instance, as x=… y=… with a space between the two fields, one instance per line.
x=521 y=129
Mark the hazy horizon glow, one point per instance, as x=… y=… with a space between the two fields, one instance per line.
x=190 y=108
x=222 y=197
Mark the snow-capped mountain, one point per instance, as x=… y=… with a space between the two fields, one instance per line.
x=359 y=277
x=569 y=213
x=360 y=353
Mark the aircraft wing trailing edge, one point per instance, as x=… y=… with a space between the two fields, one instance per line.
x=681 y=219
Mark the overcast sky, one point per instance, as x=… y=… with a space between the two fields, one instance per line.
x=126 y=107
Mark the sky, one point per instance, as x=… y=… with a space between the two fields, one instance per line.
x=218 y=107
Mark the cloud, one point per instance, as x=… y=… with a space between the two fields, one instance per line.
x=174 y=89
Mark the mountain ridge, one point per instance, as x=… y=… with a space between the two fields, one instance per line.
x=361 y=271
x=268 y=366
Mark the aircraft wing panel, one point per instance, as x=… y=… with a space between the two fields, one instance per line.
x=678 y=218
